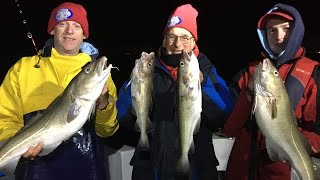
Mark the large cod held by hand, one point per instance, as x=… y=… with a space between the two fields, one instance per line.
x=277 y=122
x=63 y=118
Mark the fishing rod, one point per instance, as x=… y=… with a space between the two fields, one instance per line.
x=29 y=34
x=25 y=22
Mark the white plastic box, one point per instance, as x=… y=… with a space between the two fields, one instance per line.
x=119 y=168
x=222 y=147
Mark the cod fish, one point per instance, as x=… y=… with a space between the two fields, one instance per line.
x=189 y=101
x=277 y=122
x=141 y=93
x=63 y=117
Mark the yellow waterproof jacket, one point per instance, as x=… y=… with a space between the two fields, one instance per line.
x=27 y=89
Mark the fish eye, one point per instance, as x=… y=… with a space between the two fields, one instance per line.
x=87 y=70
x=181 y=64
x=276 y=73
x=149 y=64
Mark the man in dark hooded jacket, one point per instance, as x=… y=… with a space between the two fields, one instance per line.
x=281 y=31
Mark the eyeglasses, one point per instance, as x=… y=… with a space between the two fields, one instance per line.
x=184 y=39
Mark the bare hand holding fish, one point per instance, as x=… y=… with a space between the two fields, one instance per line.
x=33 y=151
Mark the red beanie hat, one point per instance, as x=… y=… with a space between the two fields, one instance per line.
x=69 y=12
x=184 y=16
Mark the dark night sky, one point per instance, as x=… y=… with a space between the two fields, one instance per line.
x=122 y=29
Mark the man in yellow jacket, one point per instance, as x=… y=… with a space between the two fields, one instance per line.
x=32 y=83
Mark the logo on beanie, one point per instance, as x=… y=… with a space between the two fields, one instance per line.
x=63 y=14
x=173 y=21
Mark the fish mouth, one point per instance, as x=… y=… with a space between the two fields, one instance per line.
x=187 y=54
x=104 y=65
x=104 y=68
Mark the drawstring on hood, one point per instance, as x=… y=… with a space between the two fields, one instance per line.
x=296 y=36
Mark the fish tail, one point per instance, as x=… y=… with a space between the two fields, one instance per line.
x=149 y=125
x=183 y=166
x=143 y=143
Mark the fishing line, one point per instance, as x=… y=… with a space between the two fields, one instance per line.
x=24 y=21
x=29 y=34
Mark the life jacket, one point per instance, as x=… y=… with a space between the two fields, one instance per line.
x=298 y=78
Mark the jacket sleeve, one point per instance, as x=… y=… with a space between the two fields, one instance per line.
x=217 y=99
x=124 y=105
x=242 y=110
x=106 y=119
x=239 y=116
x=11 y=116
x=306 y=112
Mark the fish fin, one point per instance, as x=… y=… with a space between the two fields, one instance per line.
x=74 y=111
x=176 y=112
x=136 y=126
x=274 y=110
x=149 y=125
x=133 y=109
x=2 y=143
x=316 y=167
x=143 y=143
x=151 y=101
x=48 y=149
x=55 y=102
x=191 y=149
x=31 y=121
x=197 y=126
x=305 y=142
x=9 y=168
x=129 y=83
x=177 y=144
x=253 y=108
x=35 y=118
x=294 y=175
x=274 y=156
x=183 y=167
x=92 y=112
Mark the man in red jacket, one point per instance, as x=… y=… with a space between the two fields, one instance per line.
x=281 y=33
